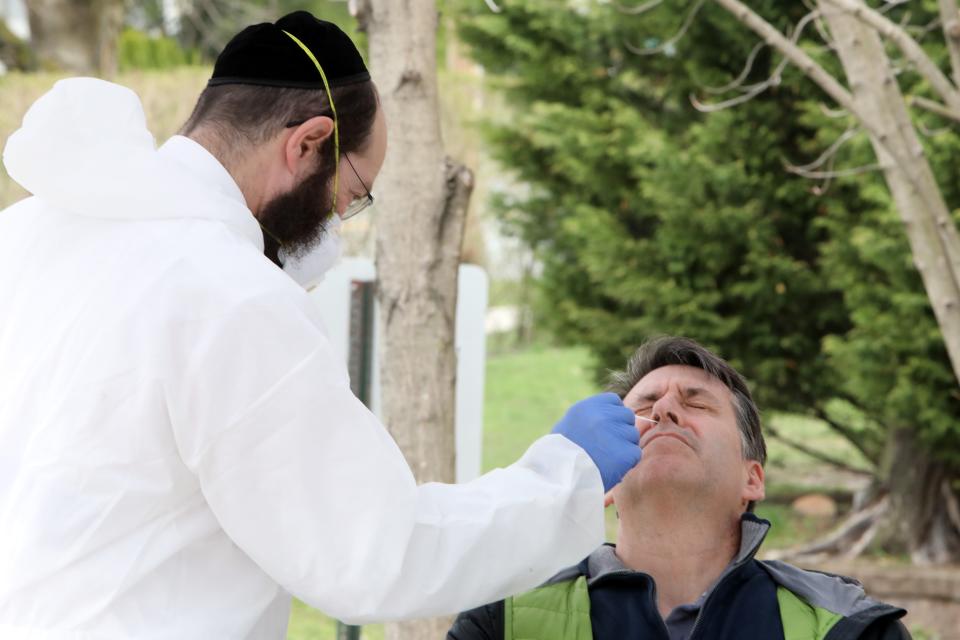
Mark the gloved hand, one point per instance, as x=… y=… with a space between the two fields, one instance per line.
x=606 y=430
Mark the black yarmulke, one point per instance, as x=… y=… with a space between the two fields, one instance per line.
x=263 y=54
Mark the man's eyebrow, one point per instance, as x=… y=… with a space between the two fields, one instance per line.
x=692 y=392
x=650 y=396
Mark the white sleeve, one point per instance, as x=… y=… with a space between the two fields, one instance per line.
x=310 y=485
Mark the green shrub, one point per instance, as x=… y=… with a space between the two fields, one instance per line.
x=138 y=50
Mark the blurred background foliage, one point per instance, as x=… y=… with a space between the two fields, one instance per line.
x=650 y=217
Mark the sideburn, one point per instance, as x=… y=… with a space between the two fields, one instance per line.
x=297 y=219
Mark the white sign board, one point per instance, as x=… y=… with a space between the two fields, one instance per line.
x=333 y=298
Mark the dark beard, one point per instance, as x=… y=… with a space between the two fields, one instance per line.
x=297 y=218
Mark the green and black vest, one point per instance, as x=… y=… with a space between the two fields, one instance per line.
x=561 y=611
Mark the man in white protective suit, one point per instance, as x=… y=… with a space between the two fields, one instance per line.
x=179 y=447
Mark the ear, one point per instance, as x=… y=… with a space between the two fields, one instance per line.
x=753 y=488
x=304 y=143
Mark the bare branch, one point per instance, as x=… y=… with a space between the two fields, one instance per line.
x=861 y=543
x=753 y=91
x=492 y=6
x=933 y=107
x=824 y=34
x=915 y=173
x=840 y=173
x=854 y=526
x=640 y=8
x=826 y=155
x=833 y=113
x=919 y=33
x=816 y=455
x=913 y=52
x=931 y=133
x=891 y=4
x=739 y=80
x=673 y=39
x=824 y=80
x=750 y=91
x=822 y=188
x=793 y=53
x=732 y=102
x=950 y=18
x=904 y=19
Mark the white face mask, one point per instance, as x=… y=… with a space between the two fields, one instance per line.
x=309 y=269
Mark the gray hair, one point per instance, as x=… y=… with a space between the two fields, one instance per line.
x=670 y=350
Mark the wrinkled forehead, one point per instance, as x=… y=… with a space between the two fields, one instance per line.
x=682 y=379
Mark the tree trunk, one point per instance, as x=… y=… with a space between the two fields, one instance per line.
x=419 y=239
x=922 y=518
x=915 y=505
x=912 y=508
x=79 y=36
x=908 y=175
x=913 y=478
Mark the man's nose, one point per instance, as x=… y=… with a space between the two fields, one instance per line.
x=667 y=416
x=665 y=409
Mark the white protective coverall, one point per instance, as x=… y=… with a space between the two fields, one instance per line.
x=179 y=447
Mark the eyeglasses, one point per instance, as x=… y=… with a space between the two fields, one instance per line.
x=357 y=204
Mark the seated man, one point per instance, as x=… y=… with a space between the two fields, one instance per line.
x=683 y=567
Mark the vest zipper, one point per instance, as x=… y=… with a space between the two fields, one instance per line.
x=663 y=624
x=733 y=568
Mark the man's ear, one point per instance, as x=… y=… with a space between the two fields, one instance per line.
x=753 y=488
x=301 y=147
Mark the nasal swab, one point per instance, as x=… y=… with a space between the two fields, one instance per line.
x=647 y=419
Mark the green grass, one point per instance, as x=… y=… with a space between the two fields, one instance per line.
x=310 y=624
x=527 y=392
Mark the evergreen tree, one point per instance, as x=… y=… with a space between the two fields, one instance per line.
x=650 y=217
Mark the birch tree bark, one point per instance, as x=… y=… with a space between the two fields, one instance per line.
x=950 y=21
x=917 y=505
x=79 y=36
x=913 y=515
x=419 y=239
x=878 y=105
x=911 y=181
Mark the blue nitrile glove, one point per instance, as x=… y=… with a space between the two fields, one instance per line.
x=606 y=430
